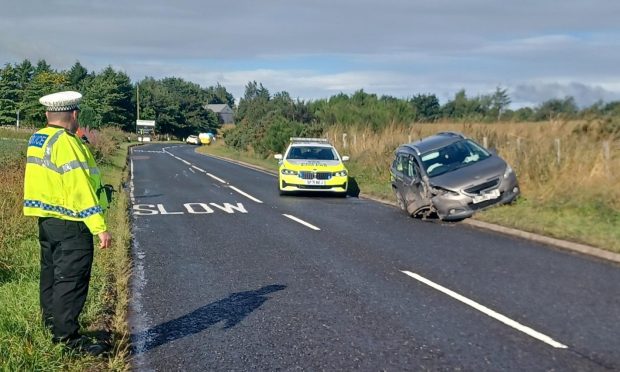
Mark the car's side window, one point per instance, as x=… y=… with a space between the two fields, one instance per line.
x=411 y=171
x=398 y=163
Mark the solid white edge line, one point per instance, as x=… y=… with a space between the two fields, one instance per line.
x=245 y=194
x=493 y=314
x=131 y=195
x=198 y=169
x=301 y=222
x=216 y=178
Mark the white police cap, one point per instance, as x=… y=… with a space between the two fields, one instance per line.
x=61 y=101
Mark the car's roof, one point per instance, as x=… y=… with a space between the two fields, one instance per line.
x=433 y=142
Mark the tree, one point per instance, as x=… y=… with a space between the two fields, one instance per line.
x=219 y=95
x=9 y=94
x=499 y=102
x=43 y=83
x=76 y=75
x=556 y=108
x=427 y=107
x=110 y=95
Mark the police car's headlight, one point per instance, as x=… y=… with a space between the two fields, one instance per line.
x=341 y=173
x=288 y=172
x=508 y=171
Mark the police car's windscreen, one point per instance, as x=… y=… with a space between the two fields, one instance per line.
x=311 y=153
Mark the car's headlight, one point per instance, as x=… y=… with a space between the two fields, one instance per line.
x=288 y=172
x=508 y=171
x=341 y=173
x=437 y=190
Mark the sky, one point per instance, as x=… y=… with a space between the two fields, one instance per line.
x=312 y=49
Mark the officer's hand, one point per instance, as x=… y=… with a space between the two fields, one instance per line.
x=105 y=240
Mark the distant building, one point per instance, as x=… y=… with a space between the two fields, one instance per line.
x=223 y=111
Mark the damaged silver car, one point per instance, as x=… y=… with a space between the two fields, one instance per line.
x=450 y=176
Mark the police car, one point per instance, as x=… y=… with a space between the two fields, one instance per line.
x=312 y=164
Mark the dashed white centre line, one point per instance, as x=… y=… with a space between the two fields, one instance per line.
x=191 y=170
x=493 y=314
x=245 y=194
x=301 y=222
x=216 y=178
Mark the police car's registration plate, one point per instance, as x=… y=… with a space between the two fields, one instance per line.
x=315 y=182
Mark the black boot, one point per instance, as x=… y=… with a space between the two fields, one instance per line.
x=84 y=345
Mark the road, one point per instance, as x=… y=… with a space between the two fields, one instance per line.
x=228 y=275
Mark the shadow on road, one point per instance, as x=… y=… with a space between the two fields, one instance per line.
x=354 y=188
x=231 y=309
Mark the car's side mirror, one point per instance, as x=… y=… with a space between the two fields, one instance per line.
x=493 y=151
x=278 y=156
x=345 y=158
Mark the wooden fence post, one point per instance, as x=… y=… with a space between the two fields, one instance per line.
x=485 y=142
x=607 y=156
x=558 y=150
x=344 y=140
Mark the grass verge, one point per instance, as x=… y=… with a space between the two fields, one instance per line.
x=24 y=343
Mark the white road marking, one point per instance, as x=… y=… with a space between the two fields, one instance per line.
x=245 y=194
x=301 y=222
x=216 y=178
x=131 y=195
x=493 y=314
x=199 y=169
x=184 y=161
x=191 y=170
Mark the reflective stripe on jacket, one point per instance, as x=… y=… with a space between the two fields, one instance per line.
x=62 y=180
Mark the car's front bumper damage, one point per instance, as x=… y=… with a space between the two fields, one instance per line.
x=459 y=205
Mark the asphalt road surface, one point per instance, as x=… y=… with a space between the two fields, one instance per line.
x=228 y=275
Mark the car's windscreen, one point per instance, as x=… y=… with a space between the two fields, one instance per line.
x=311 y=153
x=454 y=156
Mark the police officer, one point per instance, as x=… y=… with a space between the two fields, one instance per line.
x=62 y=187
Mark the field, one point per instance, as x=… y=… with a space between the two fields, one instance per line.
x=569 y=172
x=24 y=343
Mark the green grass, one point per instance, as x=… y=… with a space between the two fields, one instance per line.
x=591 y=223
x=24 y=344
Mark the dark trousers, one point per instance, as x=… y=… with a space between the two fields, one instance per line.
x=66 y=261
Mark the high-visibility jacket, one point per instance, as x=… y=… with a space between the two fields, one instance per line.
x=62 y=180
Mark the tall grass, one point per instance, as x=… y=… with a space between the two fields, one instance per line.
x=24 y=343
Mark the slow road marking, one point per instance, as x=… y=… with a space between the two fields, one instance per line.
x=493 y=314
x=298 y=220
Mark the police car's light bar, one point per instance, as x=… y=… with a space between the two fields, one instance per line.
x=308 y=139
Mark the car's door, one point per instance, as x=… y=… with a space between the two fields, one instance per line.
x=413 y=185
x=397 y=177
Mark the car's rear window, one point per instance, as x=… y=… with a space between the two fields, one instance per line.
x=454 y=156
x=311 y=153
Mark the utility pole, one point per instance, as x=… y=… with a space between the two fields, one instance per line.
x=137 y=105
